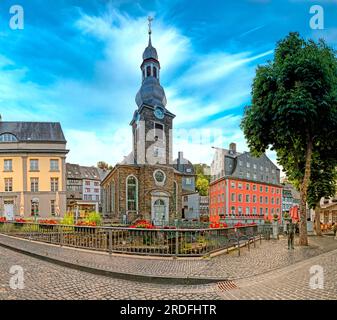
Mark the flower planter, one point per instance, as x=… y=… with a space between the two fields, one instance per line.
x=46 y=227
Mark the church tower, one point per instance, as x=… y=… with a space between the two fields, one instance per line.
x=151 y=122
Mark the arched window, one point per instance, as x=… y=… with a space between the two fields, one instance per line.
x=175 y=193
x=112 y=197
x=155 y=72
x=131 y=193
x=148 y=71
x=8 y=137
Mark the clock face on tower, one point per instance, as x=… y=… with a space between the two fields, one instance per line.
x=159 y=113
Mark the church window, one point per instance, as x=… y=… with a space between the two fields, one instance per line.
x=131 y=193
x=175 y=192
x=158 y=131
x=148 y=71
x=155 y=72
x=159 y=177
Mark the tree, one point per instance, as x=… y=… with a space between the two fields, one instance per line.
x=104 y=165
x=294 y=110
x=202 y=185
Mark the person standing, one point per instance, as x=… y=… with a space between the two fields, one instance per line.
x=290 y=233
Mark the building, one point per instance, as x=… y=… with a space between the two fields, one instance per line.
x=195 y=206
x=148 y=184
x=83 y=189
x=243 y=187
x=290 y=198
x=32 y=163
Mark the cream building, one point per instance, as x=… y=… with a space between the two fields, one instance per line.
x=32 y=169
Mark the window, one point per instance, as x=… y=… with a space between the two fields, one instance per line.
x=34 y=165
x=96 y=190
x=266 y=211
x=54 y=165
x=254 y=187
x=8 y=165
x=247 y=198
x=254 y=166
x=261 y=189
x=233 y=210
x=96 y=184
x=254 y=176
x=240 y=163
x=254 y=210
x=254 y=199
x=87 y=183
x=131 y=193
x=188 y=181
x=34 y=184
x=54 y=184
x=158 y=131
x=247 y=186
x=267 y=189
x=266 y=200
x=248 y=165
x=239 y=210
x=87 y=190
x=233 y=185
x=272 y=200
x=34 y=208
x=155 y=72
x=240 y=185
x=240 y=197
x=8 y=137
x=247 y=211
x=261 y=211
x=261 y=168
x=159 y=176
x=52 y=207
x=272 y=190
x=233 y=197
x=8 y=184
x=148 y=71
x=175 y=194
x=248 y=175
x=261 y=200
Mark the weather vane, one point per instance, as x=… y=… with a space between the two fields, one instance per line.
x=150 y=19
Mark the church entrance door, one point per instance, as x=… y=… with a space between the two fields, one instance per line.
x=160 y=211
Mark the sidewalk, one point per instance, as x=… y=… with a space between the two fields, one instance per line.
x=268 y=256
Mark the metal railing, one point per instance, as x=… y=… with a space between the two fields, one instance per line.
x=162 y=242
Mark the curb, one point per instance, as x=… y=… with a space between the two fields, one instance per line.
x=118 y=275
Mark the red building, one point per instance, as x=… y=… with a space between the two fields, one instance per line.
x=244 y=188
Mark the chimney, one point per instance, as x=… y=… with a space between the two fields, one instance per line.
x=232 y=147
x=180 y=157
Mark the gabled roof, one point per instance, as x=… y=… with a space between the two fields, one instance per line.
x=34 y=131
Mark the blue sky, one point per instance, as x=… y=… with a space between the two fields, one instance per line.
x=77 y=62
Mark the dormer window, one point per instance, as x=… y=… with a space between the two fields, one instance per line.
x=8 y=137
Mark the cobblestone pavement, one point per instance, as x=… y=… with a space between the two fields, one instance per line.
x=264 y=257
x=44 y=280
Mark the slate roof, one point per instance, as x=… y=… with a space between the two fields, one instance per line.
x=34 y=131
x=75 y=171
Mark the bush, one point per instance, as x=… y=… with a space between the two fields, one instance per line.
x=68 y=219
x=94 y=218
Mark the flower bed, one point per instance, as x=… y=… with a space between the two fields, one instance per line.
x=19 y=222
x=143 y=224
x=81 y=226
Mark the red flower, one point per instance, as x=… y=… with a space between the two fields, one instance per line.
x=3 y=219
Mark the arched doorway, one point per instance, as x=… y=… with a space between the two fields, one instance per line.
x=160 y=209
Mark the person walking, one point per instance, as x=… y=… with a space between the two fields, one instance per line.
x=290 y=233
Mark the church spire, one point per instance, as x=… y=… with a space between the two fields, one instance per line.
x=150 y=19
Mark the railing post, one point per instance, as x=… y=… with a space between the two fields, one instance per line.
x=110 y=241
x=177 y=244
x=61 y=235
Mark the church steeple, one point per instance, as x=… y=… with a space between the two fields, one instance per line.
x=151 y=92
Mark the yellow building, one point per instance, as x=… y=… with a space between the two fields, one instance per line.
x=32 y=169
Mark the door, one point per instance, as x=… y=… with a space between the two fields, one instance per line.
x=159 y=215
x=9 y=210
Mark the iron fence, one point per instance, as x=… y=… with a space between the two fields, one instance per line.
x=162 y=242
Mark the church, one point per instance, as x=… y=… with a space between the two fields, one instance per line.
x=148 y=183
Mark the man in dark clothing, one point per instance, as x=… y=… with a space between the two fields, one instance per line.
x=290 y=233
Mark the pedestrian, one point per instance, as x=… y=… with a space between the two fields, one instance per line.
x=290 y=233
x=334 y=229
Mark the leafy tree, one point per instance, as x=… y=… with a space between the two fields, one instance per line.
x=203 y=170
x=104 y=165
x=294 y=110
x=202 y=185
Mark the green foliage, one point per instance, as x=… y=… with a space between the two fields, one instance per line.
x=68 y=219
x=294 y=111
x=94 y=217
x=203 y=178
x=202 y=185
